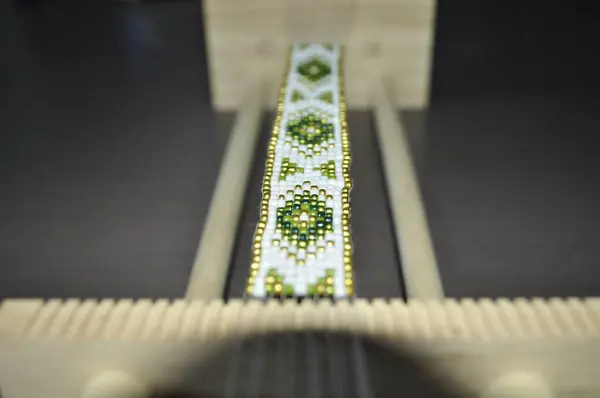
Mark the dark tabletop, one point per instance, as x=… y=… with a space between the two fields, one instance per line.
x=109 y=152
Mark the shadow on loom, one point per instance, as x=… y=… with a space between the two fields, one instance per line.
x=313 y=364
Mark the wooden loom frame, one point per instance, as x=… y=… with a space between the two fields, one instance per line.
x=503 y=348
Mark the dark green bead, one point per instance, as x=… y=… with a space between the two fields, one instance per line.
x=296 y=206
x=287 y=212
x=287 y=225
x=302 y=236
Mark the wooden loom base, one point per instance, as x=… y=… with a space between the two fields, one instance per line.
x=55 y=349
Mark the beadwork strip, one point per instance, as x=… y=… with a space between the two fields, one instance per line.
x=302 y=246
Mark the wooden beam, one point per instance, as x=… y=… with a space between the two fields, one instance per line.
x=209 y=273
x=419 y=265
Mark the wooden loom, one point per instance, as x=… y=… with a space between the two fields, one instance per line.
x=501 y=348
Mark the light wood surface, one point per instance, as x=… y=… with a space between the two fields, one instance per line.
x=419 y=266
x=390 y=36
x=488 y=348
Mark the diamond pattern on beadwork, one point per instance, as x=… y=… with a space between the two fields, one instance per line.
x=302 y=246
x=314 y=69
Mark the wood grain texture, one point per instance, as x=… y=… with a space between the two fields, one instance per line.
x=381 y=36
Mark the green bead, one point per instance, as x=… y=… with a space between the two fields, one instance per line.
x=288 y=290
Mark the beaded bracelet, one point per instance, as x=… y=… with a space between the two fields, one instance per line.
x=302 y=245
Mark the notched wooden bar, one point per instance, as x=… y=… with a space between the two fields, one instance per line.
x=487 y=347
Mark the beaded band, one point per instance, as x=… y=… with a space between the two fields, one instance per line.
x=302 y=245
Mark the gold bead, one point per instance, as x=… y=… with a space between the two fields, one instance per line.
x=291 y=256
x=330 y=243
x=347 y=260
x=300 y=262
x=255 y=266
x=275 y=242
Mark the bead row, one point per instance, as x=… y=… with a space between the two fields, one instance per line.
x=302 y=246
